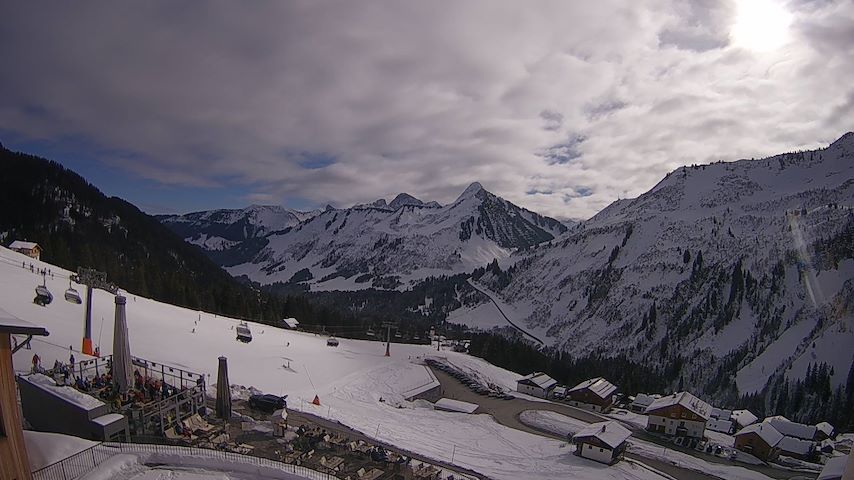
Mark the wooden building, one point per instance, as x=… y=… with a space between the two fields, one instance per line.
x=596 y=394
x=760 y=440
x=679 y=415
x=537 y=384
x=603 y=442
x=14 y=462
x=30 y=249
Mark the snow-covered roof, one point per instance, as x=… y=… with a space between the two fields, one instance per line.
x=765 y=431
x=795 y=445
x=825 y=428
x=599 y=386
x=744 y=417
x=71 y=395
x=14 y=325
x=539 y=379
x=455 y=405
x=790 y=428
x=643 y=400
x=23 y=245
x=718 y=425
x=611 y=433
x=720 y=413
x=291 y=322
x=834 y=469
x=560 y=390
x=108 y=419
x=685 y=399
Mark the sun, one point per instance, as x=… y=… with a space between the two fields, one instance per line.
x=761 y=25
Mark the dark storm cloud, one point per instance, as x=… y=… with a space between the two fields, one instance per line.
x=345 y=102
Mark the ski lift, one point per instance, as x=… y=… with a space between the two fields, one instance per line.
x=370 y=332
x=243 y=333
x=72 y=296
x=43 y=295
x=332 y=342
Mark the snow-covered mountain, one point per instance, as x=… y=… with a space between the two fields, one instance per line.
x=388 y=244
x=218 y=230
x=743 y=267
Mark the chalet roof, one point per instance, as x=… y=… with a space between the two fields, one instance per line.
x=539 y=379
x=599 y=386
x=685 y=399
x=560 y=390
x=611 y=433
x=744 y=417
x=825 y=428
x=766 y=432
x=790 y=428
x=720 y=413
x=24 y=245
x=718 y=425
x=795 y=445
x=14 y=325
x=643 y=400
x=291 y=322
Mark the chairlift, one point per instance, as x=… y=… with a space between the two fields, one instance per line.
x=43 y=295
x=72 y=296
x=243 y=333
x=370 y=332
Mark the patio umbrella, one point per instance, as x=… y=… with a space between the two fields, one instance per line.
x=122 y=366
x=223 y=391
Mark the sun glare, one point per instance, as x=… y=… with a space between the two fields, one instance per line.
x=760 y=25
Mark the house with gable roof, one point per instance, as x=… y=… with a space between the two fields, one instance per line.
x=537 y=384
x=680 y=415
x=596 y=394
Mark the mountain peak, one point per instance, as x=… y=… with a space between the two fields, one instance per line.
x=473 y=189
x=846 y=139
x=404 y=199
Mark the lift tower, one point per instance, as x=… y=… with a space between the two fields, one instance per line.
x=92 y=279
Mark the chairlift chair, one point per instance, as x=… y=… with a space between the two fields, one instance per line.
x=72 y=296
x=243 y=333
x=43 y=296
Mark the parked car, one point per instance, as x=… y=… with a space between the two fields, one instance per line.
x=267 y=402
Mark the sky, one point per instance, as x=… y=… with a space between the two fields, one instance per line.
x=561 y=107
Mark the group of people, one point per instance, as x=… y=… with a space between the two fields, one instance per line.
x=147 y=388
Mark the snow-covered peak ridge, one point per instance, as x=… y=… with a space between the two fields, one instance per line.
x=404 y=199
x=769 y=185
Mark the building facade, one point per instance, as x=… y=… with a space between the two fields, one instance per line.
x=14 y=461
x=596 y=394
x=537 y=384
x=678 y=415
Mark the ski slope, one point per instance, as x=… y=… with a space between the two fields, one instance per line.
x=349 y=379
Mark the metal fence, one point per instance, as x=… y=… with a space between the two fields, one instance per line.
x=86 y=461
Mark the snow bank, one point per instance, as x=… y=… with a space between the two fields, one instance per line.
x=48 y=448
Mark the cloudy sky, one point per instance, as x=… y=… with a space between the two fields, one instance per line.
x=561 y=107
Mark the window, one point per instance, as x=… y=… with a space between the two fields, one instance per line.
x=589 y=447
x=601 y=450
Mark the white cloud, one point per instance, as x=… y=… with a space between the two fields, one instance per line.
x=423 y=97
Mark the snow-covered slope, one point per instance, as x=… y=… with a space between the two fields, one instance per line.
x=732 y=267
x=389 y=245
x=349 y=379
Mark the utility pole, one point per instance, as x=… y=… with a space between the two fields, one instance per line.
x=388 y=326
x=92 y=279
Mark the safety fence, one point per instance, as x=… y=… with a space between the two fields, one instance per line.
x=87 y=460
